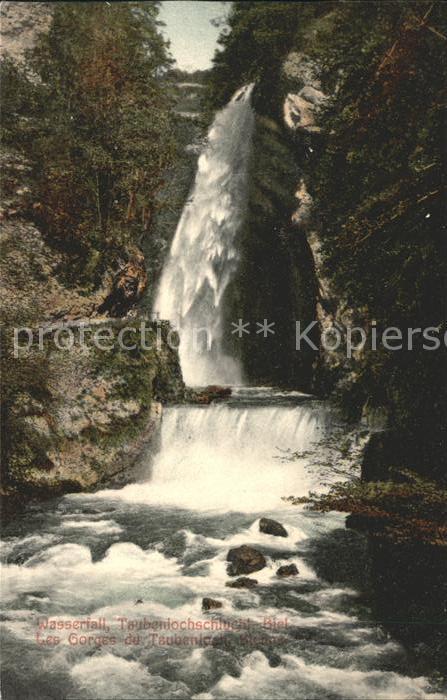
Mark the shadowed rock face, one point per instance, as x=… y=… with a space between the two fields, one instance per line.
x=245 y=560
x=275 y=279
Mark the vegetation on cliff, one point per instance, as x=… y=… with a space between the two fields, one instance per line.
x=403 y=511
x=253 y=47
x=87 y=138
x=378 y=184
x=375 y=169
x=90 y=110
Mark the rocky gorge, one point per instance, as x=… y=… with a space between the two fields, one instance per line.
x=282 y=250
x=245 y=517
x=73 y=417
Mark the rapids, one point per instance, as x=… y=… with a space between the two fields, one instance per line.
x=143 y=557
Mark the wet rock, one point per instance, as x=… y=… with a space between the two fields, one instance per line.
x=272 y=527
x=245 y=560
x=287 y=570
x=242 y=582
x=209 y=394
x=284 y=597
x=210 y=604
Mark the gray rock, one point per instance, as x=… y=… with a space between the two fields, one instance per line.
x=245 y=560
x=272 y=527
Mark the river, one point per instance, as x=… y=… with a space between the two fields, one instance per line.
x=140 y=560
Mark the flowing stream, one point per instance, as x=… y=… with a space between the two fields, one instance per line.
x=142 y=558
x=102 y=593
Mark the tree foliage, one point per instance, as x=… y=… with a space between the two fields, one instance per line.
x=90 y=109
x=403 y=511
x=379 y=184
x=377 y=175
x=252 y=48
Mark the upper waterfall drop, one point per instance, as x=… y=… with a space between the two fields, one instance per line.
x=203 y=256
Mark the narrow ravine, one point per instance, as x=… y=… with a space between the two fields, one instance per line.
x=223 y=423
x=104 y=593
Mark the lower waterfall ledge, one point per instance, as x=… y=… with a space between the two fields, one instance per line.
x=98 y=423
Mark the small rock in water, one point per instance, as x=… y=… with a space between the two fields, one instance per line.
x=272 y=527
x=287 y=570
x=245 y=560
x=210 y=604
x=242 y=582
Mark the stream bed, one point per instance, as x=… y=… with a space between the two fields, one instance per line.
x=103 y=592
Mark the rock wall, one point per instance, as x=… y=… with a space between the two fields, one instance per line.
x=83 y=417
x=402 y=436
x=333 y=371
x=76 y=417
x=275 y=279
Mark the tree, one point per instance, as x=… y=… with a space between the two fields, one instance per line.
x=97 y=129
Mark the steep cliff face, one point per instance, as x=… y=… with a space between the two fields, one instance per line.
x=395 y=394
x=275 y=280
x=77 y=413
x=333 y=371
x=79 y=408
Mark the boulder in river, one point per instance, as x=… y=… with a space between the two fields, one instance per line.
x=272 y=527
x=287 y=570
x=211 y=604
x=242 y=582
x=245 y=560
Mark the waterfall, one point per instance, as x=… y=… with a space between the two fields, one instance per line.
x=203 y=256
x=229 y=456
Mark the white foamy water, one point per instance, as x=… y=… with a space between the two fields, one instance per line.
x=295 y=678
x=222 y=457
x=203 y=256
x=99 y=526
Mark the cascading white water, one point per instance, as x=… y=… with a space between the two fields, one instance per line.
x=143 y=558
x=203 y=256
x=228 y=456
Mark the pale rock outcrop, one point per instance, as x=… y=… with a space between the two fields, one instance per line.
x=21 y=23
x=301 y=108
